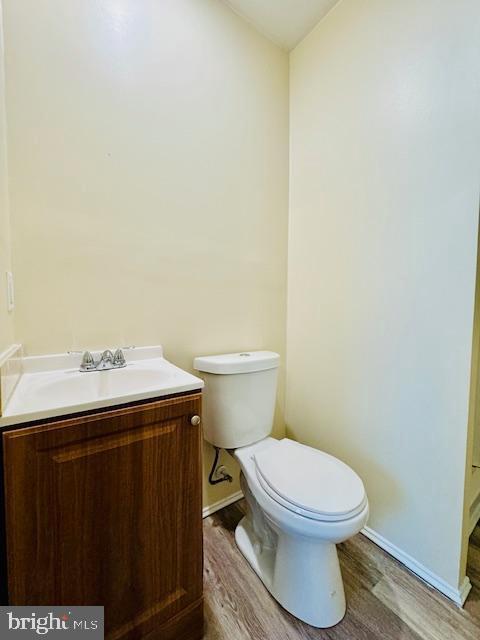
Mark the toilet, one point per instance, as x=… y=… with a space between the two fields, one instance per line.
x=301 y=502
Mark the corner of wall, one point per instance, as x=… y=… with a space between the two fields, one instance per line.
x=7 y=333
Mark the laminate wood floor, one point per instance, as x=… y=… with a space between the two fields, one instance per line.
x=384 y=600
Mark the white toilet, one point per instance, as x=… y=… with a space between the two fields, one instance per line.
x=301 y=501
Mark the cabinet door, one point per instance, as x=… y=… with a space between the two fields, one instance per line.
x=105 y=509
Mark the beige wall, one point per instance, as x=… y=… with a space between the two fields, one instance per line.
x=6 y=318
x=385 y=173
x=148 y=185
x=149 y=177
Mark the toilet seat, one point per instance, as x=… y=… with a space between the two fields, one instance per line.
x=309 y=482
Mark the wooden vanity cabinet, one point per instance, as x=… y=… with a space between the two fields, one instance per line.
x=105 y=509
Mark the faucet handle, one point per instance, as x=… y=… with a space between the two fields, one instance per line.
x=119 y=358
x=87 y=361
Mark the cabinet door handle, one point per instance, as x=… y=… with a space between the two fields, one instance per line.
x=195 y=421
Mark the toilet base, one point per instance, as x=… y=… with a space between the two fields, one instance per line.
x=260 y=559
x=302 y=574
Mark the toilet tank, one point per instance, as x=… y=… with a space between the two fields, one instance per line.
x=239 y=397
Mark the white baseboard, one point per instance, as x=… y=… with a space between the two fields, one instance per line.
x=220 y=504
x=458 y=595
x=464 y=590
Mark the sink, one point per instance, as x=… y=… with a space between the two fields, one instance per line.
x=53 y=388
x=49 y=387
x=132 y=380
x=74 y=387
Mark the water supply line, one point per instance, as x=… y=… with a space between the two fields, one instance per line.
x=221 y=471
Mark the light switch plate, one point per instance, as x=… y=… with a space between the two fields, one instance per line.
x=10 y=292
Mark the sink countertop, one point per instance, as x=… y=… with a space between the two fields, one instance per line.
x=52 y=386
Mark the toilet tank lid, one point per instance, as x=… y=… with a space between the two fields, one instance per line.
x=240 y=362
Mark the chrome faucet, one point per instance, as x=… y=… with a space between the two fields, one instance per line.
x=106 y=361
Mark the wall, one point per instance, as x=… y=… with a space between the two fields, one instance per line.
x=472 y=472
x=148 y=174
x=6 y=318
x=475 y=378
x=385 y=172
x=149 y=177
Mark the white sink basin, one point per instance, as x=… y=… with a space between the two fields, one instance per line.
x=48 y=389
x=72 y=387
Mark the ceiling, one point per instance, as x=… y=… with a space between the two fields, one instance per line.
x=285 y=22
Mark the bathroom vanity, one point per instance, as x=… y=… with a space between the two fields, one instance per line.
x=103 y=506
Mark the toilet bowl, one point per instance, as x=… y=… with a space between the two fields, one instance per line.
x=301 y=502
x=289 y=541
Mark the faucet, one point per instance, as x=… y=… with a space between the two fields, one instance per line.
x=106 y=361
